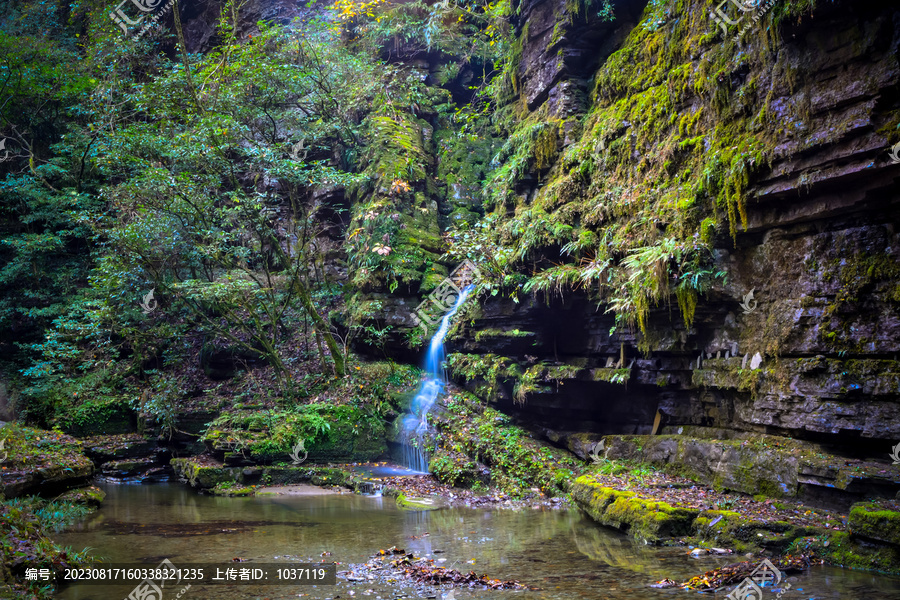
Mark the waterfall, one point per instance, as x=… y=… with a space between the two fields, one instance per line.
x=415 y=424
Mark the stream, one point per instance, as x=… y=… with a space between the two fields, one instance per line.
x=560 y=552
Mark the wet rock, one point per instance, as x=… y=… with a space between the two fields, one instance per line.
x=105 y=448
x=646 y=520
x=126 y=468
x=202 y=473
x=91 y=496
x=41 y=462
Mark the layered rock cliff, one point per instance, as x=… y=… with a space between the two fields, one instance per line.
x=769 y=150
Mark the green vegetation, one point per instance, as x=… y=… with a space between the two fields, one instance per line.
x=634 y=205
x=203 y=246
x=518 y=462
x=27 y=524
x=328 y=432
x=27 y=448
x=647 y=521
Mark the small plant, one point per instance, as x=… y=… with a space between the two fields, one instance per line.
x=726 y=503
x=610 y=467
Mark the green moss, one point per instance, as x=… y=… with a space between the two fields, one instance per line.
x=453 y=468
x=202 y=475
x=732 y=530
x=645 y=520
x=329 y=433
x=500 y=333
x=329 y=477
x=518 y=462
x=860 y=277
x=425 y=503
x=875 y=522
x=487 y=371
x=611 y=375
x=653 y=180
x=844 y=551
x=90 y=496
x=232 y=489
x=44 y=457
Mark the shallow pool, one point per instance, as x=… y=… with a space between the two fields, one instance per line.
x=559 y=552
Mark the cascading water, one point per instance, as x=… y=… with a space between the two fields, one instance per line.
x=415 y=424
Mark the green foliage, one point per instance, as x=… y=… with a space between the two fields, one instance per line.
x=630 y=211
x=453 y=469
x=52 y=515
x=44 y=212
x=25 y=524
x=487 y=371
x=518 y=462
x=282 y=429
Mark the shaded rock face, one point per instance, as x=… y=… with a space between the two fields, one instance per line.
x=561 y=50
x=820 y=254
x=199 y=19
x=761 y=464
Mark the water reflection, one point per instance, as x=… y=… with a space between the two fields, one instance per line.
x=560 y=552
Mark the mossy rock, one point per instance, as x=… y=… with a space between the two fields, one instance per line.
x=105 y=448
x=331 y=434
x=126 y=468
x=879 y=521
x=347 y=443
x=462 y=215
x=646 y=520
x=328 y=477
x=391 y=492
x=275 y=475
x=729 y=529
x=844 y=551
x=420 y=503
x=401 y=401
x=204 y=476
x=594 y=498
x=321 y=476
x=41 y=462
x=751 y=466
x=90 y=496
